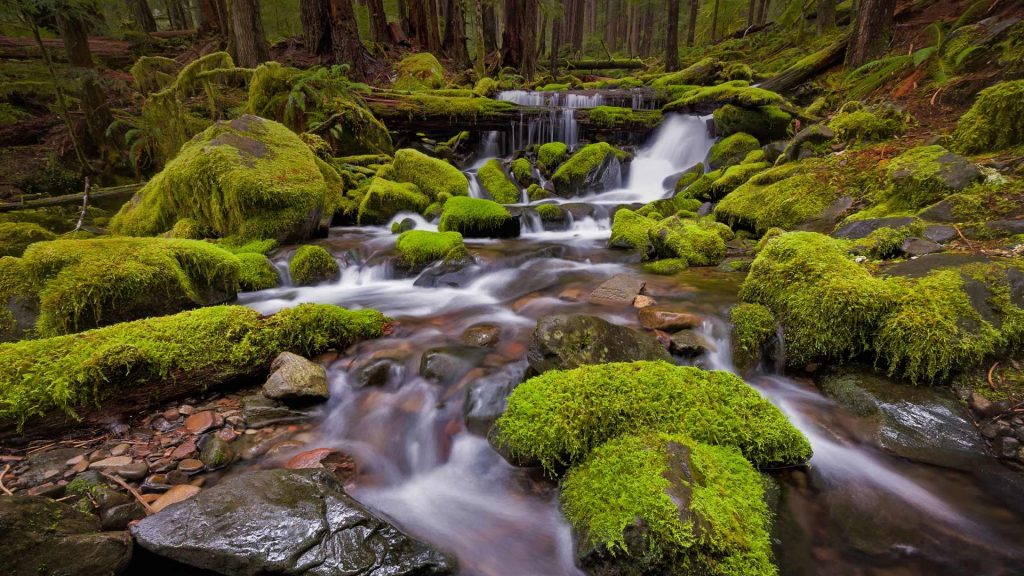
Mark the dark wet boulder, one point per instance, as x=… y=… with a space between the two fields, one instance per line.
x=594 y=168
x=482 y=335
x=41 y=536
x=296 y=379
x=915 y=246
x=449 y=363
x=487 y=397
x=995 y=229
x=863 y=228
x=298 y=522
x=813 y=135
x=260 y=411
x=939 y=233
x=564 y=341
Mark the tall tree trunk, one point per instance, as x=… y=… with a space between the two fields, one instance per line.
x=691 y=23
x=74 y=33
x=542 y=30
x=433 y=35
x=316 y=26
x=490 y=28
x=647 y=30
x=714 y=20
x=142 y=15
x=455 y=35
x=672 y=37
x=478 y=38
x=826 y=15
x=248 y=39
x=763 y=11
x=378 y=21
x=872 y=31
x=556 y=41
x=348 y=48
x=517 y=44
x=577 y=25
x=611 y=26
x=751 y=13
x=418 y=23
x=403 y=16
x=213 y=18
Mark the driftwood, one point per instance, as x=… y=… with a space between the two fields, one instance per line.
x=604 y=65
x=807 y=68
x=95 y=194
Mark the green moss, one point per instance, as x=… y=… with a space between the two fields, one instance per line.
x=701 y=72
x=418 y=248
x=689 y=177
x=10 y=114
x=630 y=230
x=699 y=242
x=785 y=196
x=493 y=179
x=419 y=72
x=862 y=125
x=885 y=242
x=924 y=175
x=312 y=265
x=251 y=247
x=536 y=193
x=616 y=118
x=250 y=178
x=154 y=73
x=766 y=123
x=711 y=97
x=385 y=198
x=474 y=217
x=666 y=266
x=752 y=326
x=733 y=177
x=828 y=305
x=486 y=87
x=550 y=156
x=701 y=508
x=431 y=175
x=257 y=272
x=65 y=373
x=731 y=150
x=561 y=415
x=584 y=164
x=411 y=107
x=994 y=122
x=550 y=212
x=523 y=171
x=16 y=236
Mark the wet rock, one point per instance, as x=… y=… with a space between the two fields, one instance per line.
x=118 y=517
x=42 y=463
x=454 y=273
x=939 y=233
x=40 y=536
x=642 y=301
x=984 y=407
x=215 y=452
x=995 y=229
x=378 y=373
x=202 y=421
x=186 y=449
x=689 y=343
x=620 y=289
x=487 y=397
x=447 y=364
x=190 y=466
x=658 y=318
x=112 y=462
x=482 y=335
x=176 y=477
x=340 y=464
x=133 y=471
x=260 y=411
x=295 y=379
x=862 y=228
x=176 y=494
x=914 y=246
x=298 y=522
x=119 y=450
x=813 y=134
x=406 y=224
x=565 y=341
x=919 y=267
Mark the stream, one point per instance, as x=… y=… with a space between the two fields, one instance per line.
x=856 y=510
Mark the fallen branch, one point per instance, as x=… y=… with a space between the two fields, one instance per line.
x=990 y=371
x=71 y=198
x=123 y=484
x=85 y=204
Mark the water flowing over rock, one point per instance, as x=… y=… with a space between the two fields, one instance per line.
x=297 y=522
x=564 y=341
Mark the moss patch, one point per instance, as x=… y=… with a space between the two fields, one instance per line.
x=16 y=236
x=752 y=326
x=432 y=176
x=766 y=123
x=385 y=198
x=994 y=122
x=785 y=196
x=523 y=172
x=666 y=266
x=923 y=175
x=861 y=125
x=550 y=156
x=476 y=217
x=736 y=93
x=617 y=118
x=585 y=166
x=419 y=72
x=732 y=150
x=312 y=265
x=418 y=248
x=493 y=179
x=257 y=272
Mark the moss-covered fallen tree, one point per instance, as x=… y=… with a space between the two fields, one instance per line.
x=58 y=381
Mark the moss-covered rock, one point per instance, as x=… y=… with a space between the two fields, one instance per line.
x=420 y=248
x=688 y=177
x=612 y=118
x=699 y=73
x=250 y=178
x=419 y=72
x=752 y=327
x=737 y=93
x=67 y=373
x=432 y=176
x=700 y=242
x=862 y=125
x=994 y=122
x=630 y=231
x=495 y=181
x=384 y=199
x=559 y=417
x=828 y=305
x=664 y=504
x=766 y=123
x=477 y=218
x=921 y=176
x=523 y=172
x=594 y=168
x=550 y=156
x=666 y=266
x=732 y=150
x=256 y=272
x=787 y=196
x=16 y=236
x=550 y=212
x=312 y=265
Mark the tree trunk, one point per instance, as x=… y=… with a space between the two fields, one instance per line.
x=94 y=103
x=378 y=21
x=213 y=18
x=433 y=35
x=455 y=35
x=714 y=21
x=577 y=26
x=543 y=31
x=490 y=28
x=763 y=11
x=142 y=15
x=691 y=22
x=612 y=16
x=826 y=15
x=348 y=48
x=249 y=41
x=672 y=37
x=647 y=31
x=751 y=13
x=316 y=26
x=517 y=44
x=872 y=31
x=556 y=40
x=418 y=23
x=480 y=62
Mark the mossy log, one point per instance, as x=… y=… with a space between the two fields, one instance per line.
x=419 y=112
x=66 y=199
x=604 y=65
x=807 y=68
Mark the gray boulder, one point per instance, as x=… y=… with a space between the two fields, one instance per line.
x=564 y=341
x=297 y=522
x=296 y=379
x=487 y=397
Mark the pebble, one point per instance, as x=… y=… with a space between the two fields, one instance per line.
x=175 y=477
x=187 y=449
x=186 y=409
x=174 y=495
x=150 y=498
x=642 y=301
x=76 y=460
x=81 y=466
x=133 y=471
x=112 y=462
x=171 y=414
x=190 y=465
x=119 y=450
x=202 y=421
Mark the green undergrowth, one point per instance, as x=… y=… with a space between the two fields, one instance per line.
x=312 y=265
x=493 y=179
x=418 y=248
x=67 y=373
x=559 y=417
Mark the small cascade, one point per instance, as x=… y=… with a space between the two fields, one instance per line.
x=531 y=222
x=475 y=191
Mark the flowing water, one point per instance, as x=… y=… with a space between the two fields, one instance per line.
x=855 y=510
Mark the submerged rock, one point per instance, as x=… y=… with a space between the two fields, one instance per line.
x=487 y=397
x=449 y=363
x=297 y=522
x=570 y=340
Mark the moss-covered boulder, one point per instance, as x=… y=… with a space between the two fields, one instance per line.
x=248 y=178
x=828 y=305
x=16 y=236
x=312 y=265
x=731 y=150
x=656 y=504
x=419 y=71
x=701 y=72
x=478 y=218
x=924 y=175
x=432 y=176
x=256 y=272
x=79 y=284
x=559 y=417
x=995 y=121
x=753 y=326
x=616 y=118
x=183 y=353
x=594 y=168
x=688 y=177
x=384 y=199
x=417 y=249
x=695 y=241
x=861 y=125
x=766 y=123
x=522 y=170
x=495 y=181
x=550 y=156
x=787 y=196
x=704 y=100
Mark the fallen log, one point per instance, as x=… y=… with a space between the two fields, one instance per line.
x=604 y=65
x=95 y=194
x=807 y=68
x=421 y=112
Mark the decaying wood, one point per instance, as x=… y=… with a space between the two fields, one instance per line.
x=796 y=75
x=96 y=194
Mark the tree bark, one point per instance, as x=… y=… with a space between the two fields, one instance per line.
x=455 y=35
x=433 y=35
x=213 y=18
x=714 y=21
x=517 y=44
x=378 y=21
x=672 y=37
x=826 y=15
x=751 y=13
x=316 y=26
x=579 y=10
x=556 y=40
x=611 y=26
x=94 y=103
x=348 y=48
x=142 y=15
x=543 y=31
x=691 y=22
x=248 y=39
x=872 y=31
x=480 y=62
x=763 y=11
x=418 y=23
x=490 y=28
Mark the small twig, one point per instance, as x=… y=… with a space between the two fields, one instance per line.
x=990 y=371
x=85 y=204
x=962 y=237
x=123 y=484
x=2 y=474
x=934 y=96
